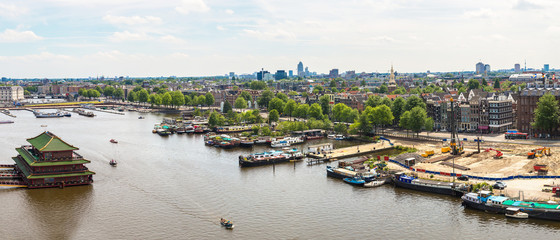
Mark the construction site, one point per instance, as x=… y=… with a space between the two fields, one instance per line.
x=529 y=171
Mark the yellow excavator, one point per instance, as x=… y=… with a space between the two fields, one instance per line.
x=539 y=152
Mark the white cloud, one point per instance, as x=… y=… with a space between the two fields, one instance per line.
x=382 y=39
x=188 y=6
x=526 y=5
x=128 y=36
x=229 y=11
x=480 y=13
x=272 y=34
x=10 y=35
x=11 y=10
x=171 y=39
x=133 y=20
x=221 y=28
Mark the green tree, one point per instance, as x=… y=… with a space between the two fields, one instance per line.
x=82 y=92
x=98 y=89
x=417 y=119
x=227 y=107
x=119 y=93
x=398 y=107
x=276 y=103
x=166 y=99
x=247 y=96
x=273 y=116
x=337 y=111
x=92 y=93
x=429 y=125
x=240 y=102
x=404 y=122
x=383 y=88
x=315 y=111
x=265 y=98
x=546 y=114
x=152 y=99
x=387 y=102
x=214 y=120
x=341 y=128
x=324 y=101
x=132 y=97
x=108 y=91
x=188 y=100
x=137 y=89
x=373 y=101
x=177 y=98
x=473 y=84
x=382 y=116
x=302 y=111
x=290 y=107
x=209 y=99
x=201 y=100
x=143 y=95
x=496 y=83
x=332 y=84
x=266 y=131
x=414 y=101
x=484 y=82
x=258 y=85
x=282 y=96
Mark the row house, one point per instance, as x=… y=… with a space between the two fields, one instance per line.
x=527 y=103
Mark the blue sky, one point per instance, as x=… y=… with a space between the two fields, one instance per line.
x=74 y=38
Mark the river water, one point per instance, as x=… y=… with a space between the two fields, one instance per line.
x=176 y=188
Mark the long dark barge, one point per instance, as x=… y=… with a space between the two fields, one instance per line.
x=445 y=188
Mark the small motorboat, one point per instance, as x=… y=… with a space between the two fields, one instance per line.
x=113 y=141
x=356 y=181
x=141 y=117
x=376 y=183
x=113 y=163
x=43 y=125
x=516 y=213
x=227 y=223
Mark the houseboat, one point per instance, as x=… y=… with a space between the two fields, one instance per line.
x=446 y=188
x=287 y=142
x=47 y=115
x=348 y=172
x=311 y=134
x=233 y=129
x=267 y=158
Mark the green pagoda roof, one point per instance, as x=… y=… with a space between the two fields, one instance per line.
x=34 y=161
x=48 y=142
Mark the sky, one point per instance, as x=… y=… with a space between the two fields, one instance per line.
x=137 y=38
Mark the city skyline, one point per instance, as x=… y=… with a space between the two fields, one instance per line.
x=78 y=39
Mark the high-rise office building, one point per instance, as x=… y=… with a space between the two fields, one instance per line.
x=479 y=68
x=261 y=74
x=546 y=68
x=487 y=68
x=517 y=67
x=280 y=74
x=300 y=71
x=291 y=73
x=333 y=73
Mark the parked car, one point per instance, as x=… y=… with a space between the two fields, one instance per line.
x=499 y=185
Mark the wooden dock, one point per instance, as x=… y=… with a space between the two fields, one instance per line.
x=353 y=151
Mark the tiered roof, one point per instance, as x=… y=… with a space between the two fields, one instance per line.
x=48 y=142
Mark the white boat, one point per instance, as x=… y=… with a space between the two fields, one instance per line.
x=339 y=137
x=375 y=183
x=516 y=213
x=331 y=136
x=286 y=142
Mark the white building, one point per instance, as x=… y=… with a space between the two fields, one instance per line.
x=9 y=94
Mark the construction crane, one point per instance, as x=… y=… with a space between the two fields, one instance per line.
x=455 y=144
x=498 y=155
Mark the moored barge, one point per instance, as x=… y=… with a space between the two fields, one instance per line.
x=446 y=188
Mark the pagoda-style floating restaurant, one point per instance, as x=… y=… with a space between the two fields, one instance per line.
x=50 y=162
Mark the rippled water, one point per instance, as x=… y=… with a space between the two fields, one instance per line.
x=175 y=187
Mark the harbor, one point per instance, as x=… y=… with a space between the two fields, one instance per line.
x=178 y=166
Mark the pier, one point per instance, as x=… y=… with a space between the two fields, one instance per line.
x=7 y=113
x=353 y=151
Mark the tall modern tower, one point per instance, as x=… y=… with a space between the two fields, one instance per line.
x=300 y=71
x=517 y=67
x=479 y=68
x=546 y=68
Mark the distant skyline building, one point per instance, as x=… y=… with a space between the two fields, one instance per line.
x=231 y=74
x=333 y=73
x=300 y=71
x=479 y=68
x=517 y=67
x=546 y=68
x=306 y=71
x=280 y=74
x=262 y=74
x=291 y=73
x=487 y=68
